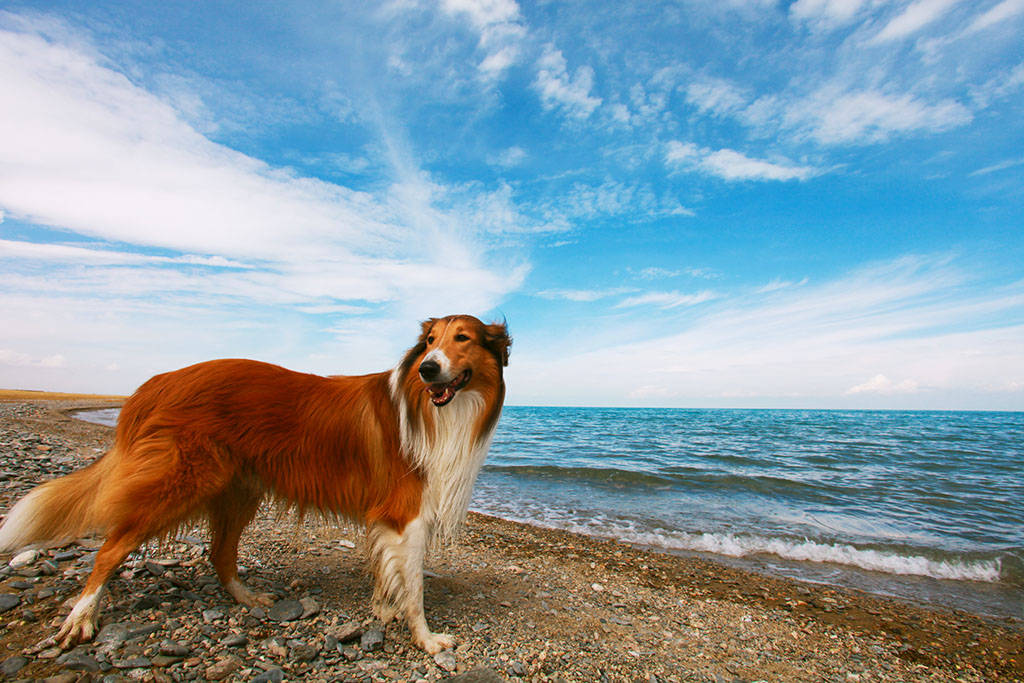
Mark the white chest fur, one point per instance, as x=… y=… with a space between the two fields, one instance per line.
x=450 y=456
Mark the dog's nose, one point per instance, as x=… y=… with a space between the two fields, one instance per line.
x=429 y=370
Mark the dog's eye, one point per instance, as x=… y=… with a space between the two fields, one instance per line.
x=430 y=340
x=461 y=338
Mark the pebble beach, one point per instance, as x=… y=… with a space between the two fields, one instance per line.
x=523 y=603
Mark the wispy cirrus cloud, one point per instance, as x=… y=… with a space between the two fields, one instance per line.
x=130 y=169
x=667 y=300
x=823 y=15
x=913 y=18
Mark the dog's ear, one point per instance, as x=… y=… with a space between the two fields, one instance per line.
x=497 y=340
x=425 y=328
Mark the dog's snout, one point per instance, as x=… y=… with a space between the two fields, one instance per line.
x=429 y=370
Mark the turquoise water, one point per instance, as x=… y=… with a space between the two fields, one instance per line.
x=926 y=506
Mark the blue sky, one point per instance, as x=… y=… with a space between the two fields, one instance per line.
x=753 y=204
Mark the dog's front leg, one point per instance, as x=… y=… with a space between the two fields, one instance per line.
x=398 y=564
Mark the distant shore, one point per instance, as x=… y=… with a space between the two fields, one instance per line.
x=525 y=602
x=32 y=395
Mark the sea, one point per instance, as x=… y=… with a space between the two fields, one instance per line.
x=926 y=507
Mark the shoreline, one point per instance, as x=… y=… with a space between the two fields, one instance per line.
x=550 y=603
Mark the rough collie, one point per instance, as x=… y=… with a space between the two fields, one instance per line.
x=398 y=451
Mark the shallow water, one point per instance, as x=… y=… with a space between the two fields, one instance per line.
x=926 y=506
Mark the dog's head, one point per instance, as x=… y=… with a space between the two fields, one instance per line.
x=457 y=352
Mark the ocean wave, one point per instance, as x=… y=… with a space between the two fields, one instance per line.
x=904 y=562
x=805 y=550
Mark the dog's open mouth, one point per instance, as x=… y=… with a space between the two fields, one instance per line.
x=442 y=394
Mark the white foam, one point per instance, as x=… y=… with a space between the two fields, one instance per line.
x=812 y=551
x=802 y=550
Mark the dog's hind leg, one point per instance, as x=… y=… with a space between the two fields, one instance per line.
x=230 y=512
x=146 y=494
x=80 y=625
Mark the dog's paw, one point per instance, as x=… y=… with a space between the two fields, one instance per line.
x=73 y=631
x=246 y=597
x=433 y=643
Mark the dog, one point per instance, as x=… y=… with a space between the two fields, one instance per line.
x=397 y=451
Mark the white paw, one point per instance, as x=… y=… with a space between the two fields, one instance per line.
x=75 y=630
x=435 y=642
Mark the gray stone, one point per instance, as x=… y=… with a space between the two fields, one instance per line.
x=276 y=646
x=12 y=665
x=132 y=663
x=170 y=649
x=211 y=615
x=24 y=559
x=271 y=676
x=286 y=610
x=372 y=639
x=8 y=601
x=477 y=676
x=347 y=632
x=223 y=668
x=301 y=652
x=137 y=632
x=235 y=640
x=113 y=633
x=446 y=660
x=310 y=608
x=61 y=678
x=156 y=569
x=78 y=661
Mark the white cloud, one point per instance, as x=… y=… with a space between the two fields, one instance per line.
x=731 y=165
x=716 y=96
x=582 y=295
x=1001 y=166
x=880 y=384
x=872 y=116
x=779 y=283
x=513 y=156
x=559 y=90
x=24 y=360
x=912 y=19
x=809 y=345
x=998 y=14
x=501 y=31
x=666 y=300
x=826 y=14
x=484 y=13
x=127 y=168
x=612 y=198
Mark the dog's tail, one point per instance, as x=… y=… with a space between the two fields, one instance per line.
x=59 y=510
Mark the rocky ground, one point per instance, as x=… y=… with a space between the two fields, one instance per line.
x=524 y=604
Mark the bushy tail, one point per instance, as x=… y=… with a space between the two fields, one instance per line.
x=59 y=510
